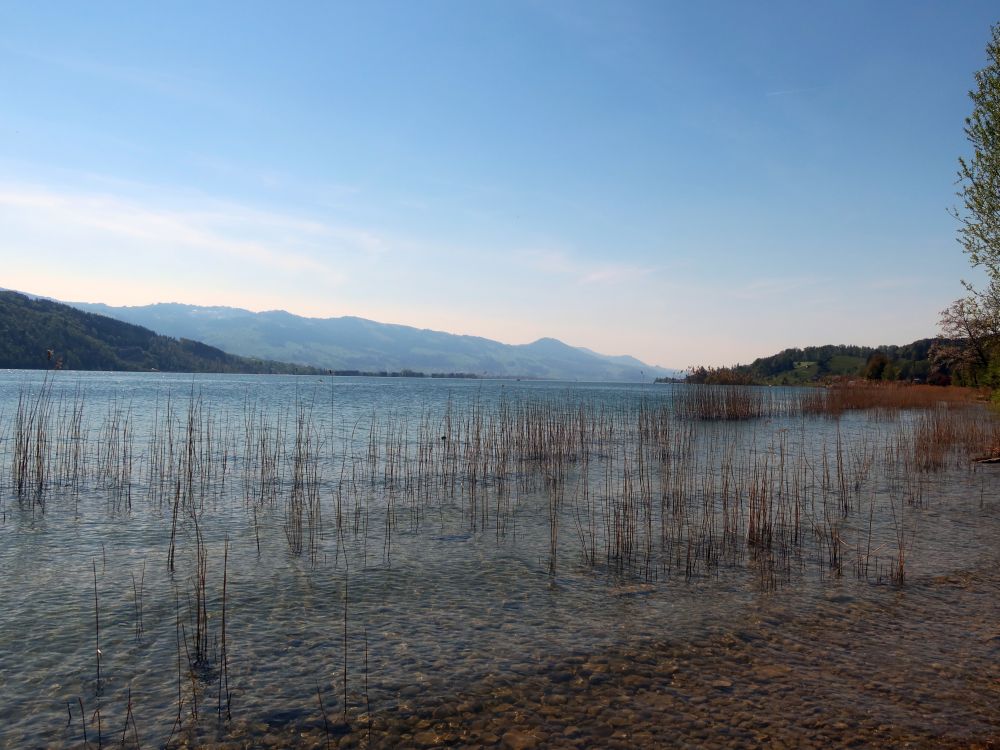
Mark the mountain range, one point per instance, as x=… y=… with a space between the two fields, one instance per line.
x=356 y=344
x=42 y=334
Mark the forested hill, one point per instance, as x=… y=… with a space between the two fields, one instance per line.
x=39 y=334
x=908 y=362
x=814 y=364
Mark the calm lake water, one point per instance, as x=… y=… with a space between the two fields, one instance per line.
x=383 y=542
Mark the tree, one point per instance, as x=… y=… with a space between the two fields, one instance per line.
x=875 y=367
x=976 y=319
x=976 y=323
x=980 y=174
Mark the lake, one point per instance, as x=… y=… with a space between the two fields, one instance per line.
x=280 y=560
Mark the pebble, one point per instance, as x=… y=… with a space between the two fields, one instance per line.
x=515 y=739
x=425 y=739
x=794 y=683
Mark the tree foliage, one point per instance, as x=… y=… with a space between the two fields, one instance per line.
x=719 y=376
x=975 y=320
x=817 y=364
x=979 y=174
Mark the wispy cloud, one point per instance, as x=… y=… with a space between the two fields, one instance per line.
x=897 y=282
x=320 y=192
x=614 y=274
x=581 y=271
x=793 y=92
x=764 y=288
x=269 y=240
x=155 y=81
x=555 y=262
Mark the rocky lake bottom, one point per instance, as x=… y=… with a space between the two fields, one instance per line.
x=920 y=668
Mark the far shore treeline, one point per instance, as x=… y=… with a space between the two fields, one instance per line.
x=936 y=361
x=42 y=334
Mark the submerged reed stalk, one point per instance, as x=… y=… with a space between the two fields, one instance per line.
x=224 y=671
x=97 y=628
x=137 y=593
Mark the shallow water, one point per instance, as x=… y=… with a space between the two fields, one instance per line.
x=447 y=580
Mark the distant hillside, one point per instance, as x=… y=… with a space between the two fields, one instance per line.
x=41 y=334
x=814 y=364
x=350 y=343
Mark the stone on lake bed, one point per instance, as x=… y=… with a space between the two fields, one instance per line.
x=840 y=599
x=426 y=739
x=771 y=671
x=635 y=589
x=285 y=717
x=515 y=739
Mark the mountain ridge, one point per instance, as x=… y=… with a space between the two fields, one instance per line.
x=355 y=343
x=39 y=333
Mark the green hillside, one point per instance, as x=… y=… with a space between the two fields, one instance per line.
x=817 y=364
x=39 y=334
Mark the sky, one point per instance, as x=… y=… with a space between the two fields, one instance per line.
x=688 y=183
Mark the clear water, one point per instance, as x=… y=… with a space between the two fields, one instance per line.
x=411 y=595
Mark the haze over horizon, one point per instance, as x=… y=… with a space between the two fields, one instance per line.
x=682 y=183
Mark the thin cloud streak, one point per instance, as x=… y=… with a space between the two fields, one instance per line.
x=765 y=288
x=561 y=263
x=793 y=92
x=290 y=244
x=176 y=87
x=907 y=282
x=615 y=274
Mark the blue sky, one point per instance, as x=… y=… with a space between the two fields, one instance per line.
x=684 y=182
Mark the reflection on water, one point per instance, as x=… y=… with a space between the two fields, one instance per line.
x=458 y=561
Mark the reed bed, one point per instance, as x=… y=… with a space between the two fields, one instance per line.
x=881 y=400
x=885 y=398
x=649 y=489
